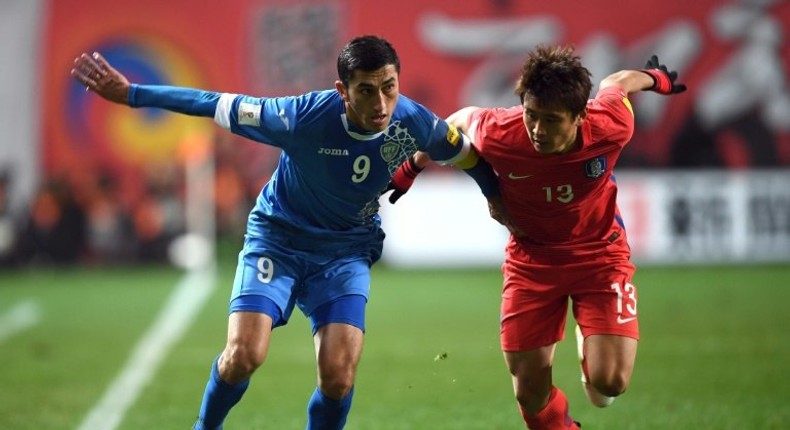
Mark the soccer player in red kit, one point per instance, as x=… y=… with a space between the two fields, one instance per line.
x=554 y=154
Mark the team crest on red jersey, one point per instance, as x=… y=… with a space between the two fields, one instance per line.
x=595 y=168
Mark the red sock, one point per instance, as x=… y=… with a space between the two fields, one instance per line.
x=553 y=416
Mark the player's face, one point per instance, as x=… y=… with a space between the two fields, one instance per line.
x=552 y=129
x=371 y=97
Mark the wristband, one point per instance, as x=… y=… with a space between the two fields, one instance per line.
x=411 y=169
x=661 y=82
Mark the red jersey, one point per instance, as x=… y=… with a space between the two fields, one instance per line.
x=564 y=203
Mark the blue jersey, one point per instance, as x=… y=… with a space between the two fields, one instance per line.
x=326 y=188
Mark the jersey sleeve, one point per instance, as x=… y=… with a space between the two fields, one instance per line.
x=267 y=120
x=189 y=101
x=445 y=144
x=487 y=126
x=615 y=113
x=476 y=126
x=448 y=146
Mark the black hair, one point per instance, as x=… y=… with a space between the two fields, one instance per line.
x=555 y=76
x=366 y=53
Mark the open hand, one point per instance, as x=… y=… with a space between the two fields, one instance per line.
x=98 y=76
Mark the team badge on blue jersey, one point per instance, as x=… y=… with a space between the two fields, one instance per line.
x=595 y=168
x=389 y=150
x=397 y=139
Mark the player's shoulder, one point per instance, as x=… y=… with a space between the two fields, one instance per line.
x=495 y=128
x=407 y=106
x=319 y=98
x=610 y=116
x=411 y=111
x=611 y=100
x=498 y=118
x=500 y=114
x=311 y=105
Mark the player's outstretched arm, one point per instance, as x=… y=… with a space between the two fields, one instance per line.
x=99 y=76
x=654 y=77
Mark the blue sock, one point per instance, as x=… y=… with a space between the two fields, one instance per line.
x=218 y=399
x=324 y=413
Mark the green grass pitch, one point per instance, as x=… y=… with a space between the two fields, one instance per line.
x=714 y=354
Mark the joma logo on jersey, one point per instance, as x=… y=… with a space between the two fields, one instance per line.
x=333 y=151
x=595 y=168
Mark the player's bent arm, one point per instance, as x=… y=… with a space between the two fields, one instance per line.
x=421 y=160
x=460 y=118
x=467 y=160
x=473 y=165
x=654 y=77
x=631 y=81
x=482 y=172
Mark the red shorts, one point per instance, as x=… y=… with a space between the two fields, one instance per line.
x=536 y=290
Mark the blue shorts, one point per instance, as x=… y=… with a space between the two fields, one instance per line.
x=327 y=288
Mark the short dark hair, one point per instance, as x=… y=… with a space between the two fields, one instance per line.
x=366 y=53
x=554 y=76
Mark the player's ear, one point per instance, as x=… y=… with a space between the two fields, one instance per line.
x=342 y=90
x=580 y=118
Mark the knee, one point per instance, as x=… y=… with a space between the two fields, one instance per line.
x=532 y=397
x=238 y=362
x=532 y=402
x=610 y=385
x=336 y=382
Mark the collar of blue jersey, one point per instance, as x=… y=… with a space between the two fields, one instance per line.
x=357 y=135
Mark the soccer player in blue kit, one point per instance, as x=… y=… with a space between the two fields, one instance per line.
x=315 y=231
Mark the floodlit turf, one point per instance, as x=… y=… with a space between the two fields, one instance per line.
x=714 y=353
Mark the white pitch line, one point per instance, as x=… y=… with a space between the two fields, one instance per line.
x=190 y=294
x=20 y=317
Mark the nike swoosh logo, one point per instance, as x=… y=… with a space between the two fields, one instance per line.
x=621 y=320
x=512 y=176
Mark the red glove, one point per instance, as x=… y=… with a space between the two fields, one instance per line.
x=663 y=79
x=403 y=179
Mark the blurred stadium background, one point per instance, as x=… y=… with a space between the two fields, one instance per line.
x=119 y=227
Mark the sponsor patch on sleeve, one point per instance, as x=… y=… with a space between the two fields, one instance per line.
x=453 y=136
x=249 y=114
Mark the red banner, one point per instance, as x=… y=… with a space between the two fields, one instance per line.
x=733 y=56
